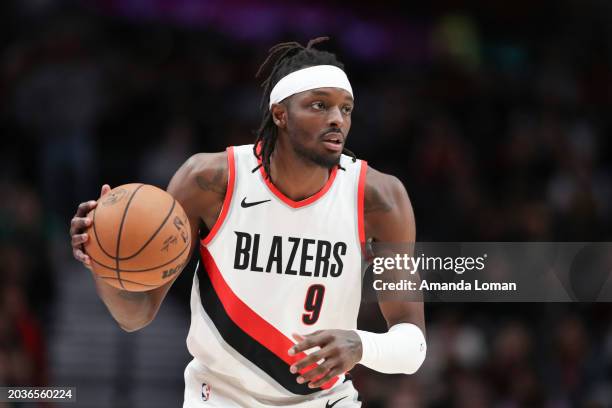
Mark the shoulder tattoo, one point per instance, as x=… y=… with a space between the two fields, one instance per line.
x=214 y=182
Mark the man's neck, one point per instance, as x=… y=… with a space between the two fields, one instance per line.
x=296 y=177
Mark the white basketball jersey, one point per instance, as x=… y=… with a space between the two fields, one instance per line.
x=271 y=267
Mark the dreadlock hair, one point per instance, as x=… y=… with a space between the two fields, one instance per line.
x=283 y=59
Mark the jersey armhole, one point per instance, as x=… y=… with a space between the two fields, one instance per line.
x=227 y=200
x=361 y=203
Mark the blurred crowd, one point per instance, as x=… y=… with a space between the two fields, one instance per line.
x=505 y=356
x=497 y=122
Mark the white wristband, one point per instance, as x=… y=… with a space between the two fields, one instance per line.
x=399 y=351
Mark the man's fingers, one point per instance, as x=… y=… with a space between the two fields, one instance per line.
x=310 y=359
x=85 y=208
x=315 y=339
x=321 y=381
x=317 y=372
x=79 y=239
x=105 y=189
x=80 y=256
x=78 y=225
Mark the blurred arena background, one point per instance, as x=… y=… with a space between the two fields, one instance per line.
x=496 y=116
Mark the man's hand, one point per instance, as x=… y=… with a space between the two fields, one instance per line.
x=340 y=350
x=79 y=224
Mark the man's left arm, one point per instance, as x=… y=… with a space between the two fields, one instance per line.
x=389 y=222
x=388 y=218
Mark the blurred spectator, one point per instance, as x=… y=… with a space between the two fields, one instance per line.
x=23 y=347
x=57 y=99
x=161 y=160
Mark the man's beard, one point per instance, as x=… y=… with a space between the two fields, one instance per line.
x=327 y=161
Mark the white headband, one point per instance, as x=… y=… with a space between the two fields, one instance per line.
x=319 y=76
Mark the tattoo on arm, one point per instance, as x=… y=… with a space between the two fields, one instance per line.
x=374 y=201
x=214 y=182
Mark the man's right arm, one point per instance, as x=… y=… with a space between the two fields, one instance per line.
x=199 y=186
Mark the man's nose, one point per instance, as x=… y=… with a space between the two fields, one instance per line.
x=334 y=117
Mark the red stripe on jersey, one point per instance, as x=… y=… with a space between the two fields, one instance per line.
x=231 y=177
x=250 y=322
x=297 y=204
x=360 y=202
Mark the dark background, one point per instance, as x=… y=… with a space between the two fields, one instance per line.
x=495 y=115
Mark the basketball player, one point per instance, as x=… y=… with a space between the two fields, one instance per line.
x=282 y=223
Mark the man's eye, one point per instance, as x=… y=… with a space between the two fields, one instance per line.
x=318 y=105
x=347 y=110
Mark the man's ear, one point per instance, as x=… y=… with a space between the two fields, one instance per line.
x=279 y=115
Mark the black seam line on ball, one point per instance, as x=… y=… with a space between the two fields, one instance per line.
x=129 y=281
x=97 y=238
x=119 y=234
x=147 y=269
x=154 y=234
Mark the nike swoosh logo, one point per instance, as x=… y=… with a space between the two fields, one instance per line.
x=244 y=204
x=328 y=405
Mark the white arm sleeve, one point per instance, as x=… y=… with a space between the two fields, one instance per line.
x=399 y=351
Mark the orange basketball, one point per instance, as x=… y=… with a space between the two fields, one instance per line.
x=139 y=238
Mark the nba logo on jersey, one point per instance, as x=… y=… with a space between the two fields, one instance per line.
x=205 y=392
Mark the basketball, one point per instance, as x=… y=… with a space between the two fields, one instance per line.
x=139 y=238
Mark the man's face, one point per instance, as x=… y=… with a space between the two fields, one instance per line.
x=318 y=122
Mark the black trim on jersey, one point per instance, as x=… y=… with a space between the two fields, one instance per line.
x=244 y=344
